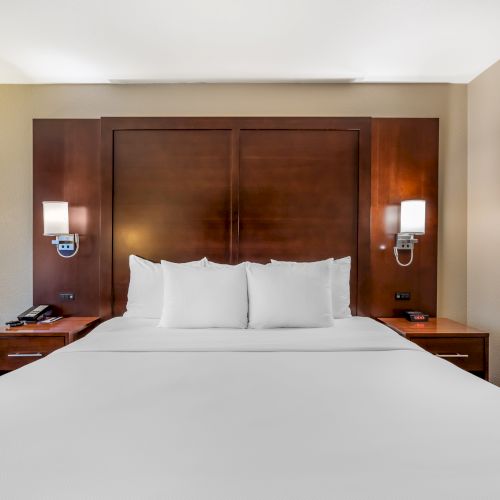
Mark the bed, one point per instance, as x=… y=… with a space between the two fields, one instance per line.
x=353 y=411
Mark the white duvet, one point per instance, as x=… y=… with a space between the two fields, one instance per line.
x=350 y=412
x=353 y=334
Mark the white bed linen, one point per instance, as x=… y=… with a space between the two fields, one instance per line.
x=127 y=334
x=352 y=412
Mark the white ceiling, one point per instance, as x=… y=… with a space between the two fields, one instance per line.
x=91 y=41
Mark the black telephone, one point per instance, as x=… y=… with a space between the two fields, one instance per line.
x=35 y=313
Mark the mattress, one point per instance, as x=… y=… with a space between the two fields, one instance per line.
x=352 y=412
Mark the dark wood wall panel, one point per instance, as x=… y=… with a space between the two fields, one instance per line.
x=299 y=195
x=66 y=167
x=171 y=199
x=234 y=189
x=404 y=166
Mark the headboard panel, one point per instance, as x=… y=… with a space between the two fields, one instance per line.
x=171 y=194
x=234 y=190
x=298 y=193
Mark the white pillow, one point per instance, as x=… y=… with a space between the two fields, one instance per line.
x=204 y=297
x=290 y=295
x=145 y=289
x=341 y=291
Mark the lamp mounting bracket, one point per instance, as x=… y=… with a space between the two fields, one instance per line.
x=405 y=241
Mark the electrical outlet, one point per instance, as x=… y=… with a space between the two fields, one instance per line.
x=402 y=295
x=67 y=296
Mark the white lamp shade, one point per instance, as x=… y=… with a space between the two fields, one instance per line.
x=413 y=216
x=55 y=218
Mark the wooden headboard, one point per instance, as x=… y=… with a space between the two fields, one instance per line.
x=234 y=189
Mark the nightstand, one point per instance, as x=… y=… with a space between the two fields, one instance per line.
x=23 y=344
x=460 y=344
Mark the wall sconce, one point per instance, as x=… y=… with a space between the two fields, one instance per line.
x=412 y=223
x=56 y=223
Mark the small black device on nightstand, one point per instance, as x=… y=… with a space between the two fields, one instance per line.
x=416 y=316
x=14 y=323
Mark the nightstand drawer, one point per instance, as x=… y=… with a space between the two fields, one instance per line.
x=19 y=351
x=467 y=353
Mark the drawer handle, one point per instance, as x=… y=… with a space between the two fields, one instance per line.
x=452 y=355
x=25 y=355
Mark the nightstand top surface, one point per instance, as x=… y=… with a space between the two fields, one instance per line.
x=433 y=327
x=70 y=325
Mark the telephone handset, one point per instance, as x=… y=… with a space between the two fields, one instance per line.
x=35 y=313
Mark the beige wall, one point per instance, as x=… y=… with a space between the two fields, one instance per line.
x=15 y=201
x=483 y=267
x=20 y=104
